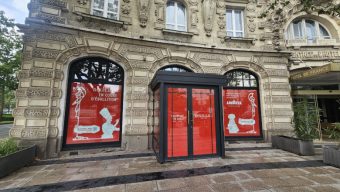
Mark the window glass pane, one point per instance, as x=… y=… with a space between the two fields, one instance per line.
x=310 y=29
x=323 y=32
x=170 y=13
x=98 y=13
x=98 y=4
x=297 y=27
x=112 y=16
x=229 y=21
x=230 y=34
x=238 y=20
x=113 y=6
x=239 y=34
x=180 y=14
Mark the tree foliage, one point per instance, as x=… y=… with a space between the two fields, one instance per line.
x=10 y=56
x=10 y=44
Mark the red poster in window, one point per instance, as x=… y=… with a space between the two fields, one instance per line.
x=241 y=113
x=94 y=113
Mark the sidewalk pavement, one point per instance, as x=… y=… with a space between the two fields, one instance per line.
x=4 y=130
x=247 y=167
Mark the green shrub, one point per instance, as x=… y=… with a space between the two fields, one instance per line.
x=306 y=120
x=7 y=146
x=7 y=117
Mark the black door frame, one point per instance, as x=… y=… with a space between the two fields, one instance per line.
x=190 y=79
x=190 y=120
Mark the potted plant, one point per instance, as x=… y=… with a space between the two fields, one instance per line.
x=306 y=118
x=13 y=157
x=331 y=154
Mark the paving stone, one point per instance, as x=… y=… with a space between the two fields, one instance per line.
x=254 y=185
x=321 y=179
x=222 y=178
x=293 y=189
x=203 y=188
x=197 y=181
x=226 y=187
x=242 y=175
x=326 y=189
x=115 y=188
x=168 y=184
x=142 y=187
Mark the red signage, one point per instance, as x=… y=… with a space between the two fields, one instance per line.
x=94 y=113
x=241 y=113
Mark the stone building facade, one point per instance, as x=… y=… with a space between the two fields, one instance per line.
x=58 y=33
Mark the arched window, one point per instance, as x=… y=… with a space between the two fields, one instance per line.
x=241 y=103
x=240 y=78
x=307 y=29
x=94 y=103
x=176 y=18
x=175 y=68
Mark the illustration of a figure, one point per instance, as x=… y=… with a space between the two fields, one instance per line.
x=107 y=127
x=232 y=126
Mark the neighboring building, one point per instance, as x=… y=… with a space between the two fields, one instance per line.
x=88 y=64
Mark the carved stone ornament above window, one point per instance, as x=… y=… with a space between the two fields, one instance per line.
x=143 y=9
x=209 y=12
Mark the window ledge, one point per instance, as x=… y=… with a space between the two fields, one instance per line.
x=243 y=39
x=168 y=31
x=88 y=16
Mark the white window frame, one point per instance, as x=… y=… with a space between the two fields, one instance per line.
x=105 y=10
x=176 y=25
x=233 y=31
x=291 y=35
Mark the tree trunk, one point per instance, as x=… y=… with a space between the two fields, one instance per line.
x=2 y=100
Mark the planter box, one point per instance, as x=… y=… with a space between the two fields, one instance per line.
x=17 y=160
x=331 y=156
x=293 y=145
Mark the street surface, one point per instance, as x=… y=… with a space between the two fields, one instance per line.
x=4 y=130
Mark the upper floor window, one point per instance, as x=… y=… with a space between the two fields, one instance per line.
x=235 y=23
x=306 y=29
x=175 y=68
x=106 y=8
x=176 y=16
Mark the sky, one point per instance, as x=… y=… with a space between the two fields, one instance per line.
x=15 y=9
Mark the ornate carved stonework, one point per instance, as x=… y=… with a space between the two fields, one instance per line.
x=56 y=3
x=51 y=18
x=45 y=53
x=209 y=12
x=251 y=15
x=144 y=9
x=36 y=112
x=40 y=73
x=34 y=133
x=53 y=132
x=82 y=2
x=34 y=92
x=160 y=14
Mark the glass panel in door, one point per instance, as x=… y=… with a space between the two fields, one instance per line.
x=203 y=123
x=177 y=122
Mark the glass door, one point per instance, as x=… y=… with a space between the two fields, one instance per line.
x=191 y=121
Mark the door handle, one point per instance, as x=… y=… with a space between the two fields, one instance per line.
x=188 y=117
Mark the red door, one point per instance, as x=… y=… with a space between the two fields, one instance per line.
x=191 y=122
